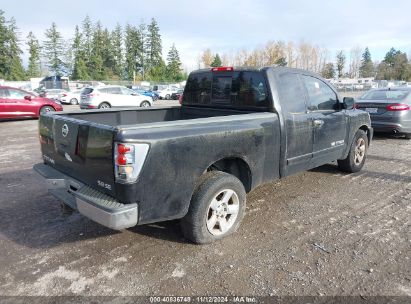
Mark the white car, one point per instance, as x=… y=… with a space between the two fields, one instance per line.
x=104 y=97
x=72 y=97
x=167 y=92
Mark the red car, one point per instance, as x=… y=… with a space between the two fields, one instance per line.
x=16 y=103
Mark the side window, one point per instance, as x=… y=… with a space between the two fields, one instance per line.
x=116 y=90
x=4 y=93
x=292 y=93
x=16 y=94
x=321 y=96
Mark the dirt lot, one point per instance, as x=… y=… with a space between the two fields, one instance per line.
x=321 y=232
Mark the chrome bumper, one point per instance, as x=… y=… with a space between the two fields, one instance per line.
x=91 y=203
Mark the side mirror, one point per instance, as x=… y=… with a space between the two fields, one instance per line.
x=27 y=97
x=348 y=103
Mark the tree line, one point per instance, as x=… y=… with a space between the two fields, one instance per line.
x=93 y=53
x=394 y=66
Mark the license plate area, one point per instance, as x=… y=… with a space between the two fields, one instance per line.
x=371 y=110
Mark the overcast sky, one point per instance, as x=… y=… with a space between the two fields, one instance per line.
x=233 y=24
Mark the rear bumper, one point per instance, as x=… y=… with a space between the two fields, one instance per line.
x=391 y=127
x=91 y=203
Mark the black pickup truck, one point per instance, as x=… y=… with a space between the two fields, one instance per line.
x=236 y=129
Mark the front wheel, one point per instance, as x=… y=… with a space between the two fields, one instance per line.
x=357 y=154
x=167 y=97
x=216 y=208
x=145 y=104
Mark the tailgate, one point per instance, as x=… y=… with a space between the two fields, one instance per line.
x=80 y=149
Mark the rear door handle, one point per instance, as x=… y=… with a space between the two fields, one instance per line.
x=318 y=122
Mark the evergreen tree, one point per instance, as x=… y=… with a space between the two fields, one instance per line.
x=131 y=51
x=389 y=58
x=53 y=50
x=96 y=57
x=80 y=71
x=154 y=48
x=33 y=69
x=340 y=63
x=367 y=66
x=14 y=69
x=141 y=44
x=328 y=71
x=281 y=62
x=174 y=64
x=87 y=36
x=217 y=61
x=3 y=45
x=135 y=50
x=116 y=38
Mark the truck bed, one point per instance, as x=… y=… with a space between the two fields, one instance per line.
x=122 y=117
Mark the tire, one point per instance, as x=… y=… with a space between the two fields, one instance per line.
x=210 y=206
x=104 y=105
x=74 y=101
x=145 y=104
x=46 y=109
x=167 y=97
x=357 y=154
x=408 y=136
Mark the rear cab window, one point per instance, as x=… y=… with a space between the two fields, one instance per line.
x=232 y=89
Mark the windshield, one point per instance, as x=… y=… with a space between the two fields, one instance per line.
x=385 y=95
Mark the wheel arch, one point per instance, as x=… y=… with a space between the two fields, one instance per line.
x=366 y=129
x=235 y=166
x=104 y=102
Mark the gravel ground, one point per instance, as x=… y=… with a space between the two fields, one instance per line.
x=320 y=232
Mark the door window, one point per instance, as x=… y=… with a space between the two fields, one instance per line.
x=292 y=93
x=16 y=94
x=321 y=96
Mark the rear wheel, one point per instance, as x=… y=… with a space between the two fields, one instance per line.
x=168 y=96
x=216 y=208
x=73 y=101
x=145 y=104
x=46 y=109
x=357 y=154
x=104 y=105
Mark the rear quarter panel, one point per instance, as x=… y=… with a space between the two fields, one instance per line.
x=179 y=154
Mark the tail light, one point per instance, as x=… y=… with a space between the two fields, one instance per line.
x=222 y=69
x=92 y=95
x=64 y=95
x=129 y=160
x=398 y=107
x=356 y=106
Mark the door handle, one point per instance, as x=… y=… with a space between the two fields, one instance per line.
x=318 y=122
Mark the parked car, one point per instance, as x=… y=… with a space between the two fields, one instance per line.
x=389 y=109
x=152 y=94
x=16 y=103
x=167 y=92
x=55 y=94
x=236 y=129
x=105 y=97
x=72 y=97
x=176 y=95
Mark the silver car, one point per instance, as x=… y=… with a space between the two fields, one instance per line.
x=389 y=109
x=104 y=97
